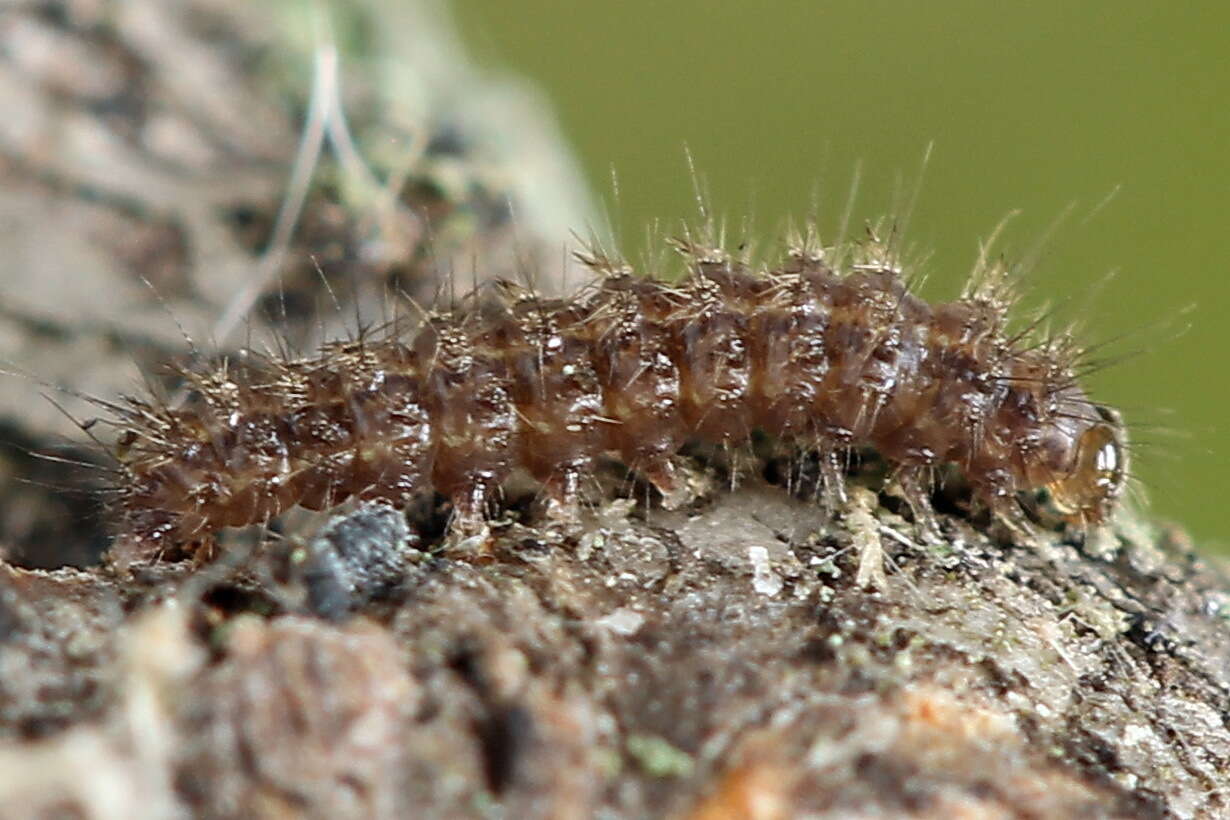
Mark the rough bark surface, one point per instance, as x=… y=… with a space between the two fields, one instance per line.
x=716 y=663
x=742 y=658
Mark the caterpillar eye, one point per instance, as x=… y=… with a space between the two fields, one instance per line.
x=1087 y=494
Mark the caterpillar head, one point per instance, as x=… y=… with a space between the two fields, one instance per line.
x=1087 y=494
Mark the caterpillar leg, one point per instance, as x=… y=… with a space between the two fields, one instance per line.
x=832 y=479
x=914 y=482
x=1000 y=498
x=678 y=485
x=470 y=504
x=1009 y=512
x=563 y=493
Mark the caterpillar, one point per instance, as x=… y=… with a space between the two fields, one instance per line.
x=827 y=349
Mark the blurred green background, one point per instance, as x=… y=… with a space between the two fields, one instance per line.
x=1030 y=106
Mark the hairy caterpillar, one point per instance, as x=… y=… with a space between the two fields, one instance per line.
x=827 y=349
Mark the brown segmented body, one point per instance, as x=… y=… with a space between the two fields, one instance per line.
x=632 y=369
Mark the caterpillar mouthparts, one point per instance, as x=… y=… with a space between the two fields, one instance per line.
x=826 y=350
